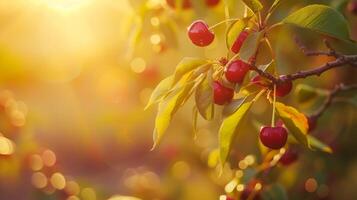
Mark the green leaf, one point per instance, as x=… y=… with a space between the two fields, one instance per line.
x=322 y=19
x=187 y=65
x=254 y=5
x=204 y=97
x=306 y=93
x=234 y=31
x=318 y=145
x=168 y=107
x=228 y=129
x=160 y=91
x=250 y=46
x=233 y=106
x=275 y=192
x=270 y=67
x=294 y=121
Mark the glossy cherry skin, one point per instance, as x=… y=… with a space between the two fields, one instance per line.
x=239 y=41
x=273 y=137
x=212 y=3
x=199 y=33
x=289 y=157
x=284 y=88
x=186 y=4
x=221 y=94
x=236 y=71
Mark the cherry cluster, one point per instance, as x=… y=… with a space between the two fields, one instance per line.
x=235 y=71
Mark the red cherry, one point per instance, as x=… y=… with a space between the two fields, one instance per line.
x=352 y=7
x=212 y=3
x=185 y=4
x=236 y=71
x=249 y=188
x=239 y=41
x=273 y=137
x=200 y=34
x=312 y=121
x=221 y=94
x=289 y=157
x=284 y=88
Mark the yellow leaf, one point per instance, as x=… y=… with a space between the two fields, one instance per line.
x=228 y=129
x=160 y=91
x=204 y=97
x=169 y=105
x=294 y=121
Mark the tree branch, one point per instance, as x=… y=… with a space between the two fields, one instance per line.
x=341 y=60
x=333 y=93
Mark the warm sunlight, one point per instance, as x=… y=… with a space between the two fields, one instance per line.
x=178 y=99
x=65 y=5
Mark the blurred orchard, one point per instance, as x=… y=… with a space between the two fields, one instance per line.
x=76 y=76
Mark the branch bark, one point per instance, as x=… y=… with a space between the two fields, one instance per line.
x=340 y=61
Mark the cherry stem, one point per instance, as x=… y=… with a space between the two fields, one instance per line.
x=273 y=114
x=258 y=95
x=260 y=20
x=232 y=59
x=273 y=26
x=222 y=22
x=270 y=47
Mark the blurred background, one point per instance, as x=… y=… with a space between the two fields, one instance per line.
x=75 y=77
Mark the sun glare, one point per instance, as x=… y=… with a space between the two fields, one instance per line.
x=65 y=5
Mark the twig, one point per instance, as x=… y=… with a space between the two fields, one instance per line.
x=341 y=60
x=333 y=93
x=308 y=52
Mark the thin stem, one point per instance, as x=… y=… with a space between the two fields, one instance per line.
x=259 y=94
x=274 y=101
x=222 y=22
x=260 y=20
x=273 y=26
x=232 y=59
x=270 y=47
x=267 y=18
